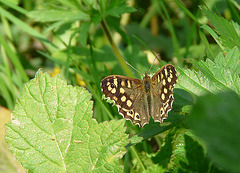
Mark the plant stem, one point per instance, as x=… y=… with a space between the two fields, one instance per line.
x=116 y=51
x=133 y=150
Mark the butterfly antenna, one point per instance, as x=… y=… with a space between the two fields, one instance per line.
x=157 y=57
x=133 y=67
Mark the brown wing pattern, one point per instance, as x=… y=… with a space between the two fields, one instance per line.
x=127 y=93
x=162 y=85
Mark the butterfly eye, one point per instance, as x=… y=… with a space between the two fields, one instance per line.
x=112 y=85
x=137 y=116
x=131 y=112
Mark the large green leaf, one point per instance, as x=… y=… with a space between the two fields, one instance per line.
x=215 y=119
x=196 y=161
x=222 y=74
x=52 y=130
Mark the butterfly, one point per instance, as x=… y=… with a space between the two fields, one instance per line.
x=138 y=100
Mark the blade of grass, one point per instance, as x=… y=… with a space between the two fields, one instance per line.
x=5 y=92
x=188 y=13
x=205 y=40
x=14 y=59
x=151 y=12
x=233 y=9
x=171 y=29
x=23 y=26
x=15 y=7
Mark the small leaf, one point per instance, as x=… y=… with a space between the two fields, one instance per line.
x=52 y=129
x=116 y=8
x=84 y=28
x=215 y=119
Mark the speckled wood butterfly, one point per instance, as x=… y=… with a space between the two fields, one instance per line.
x=138 y=100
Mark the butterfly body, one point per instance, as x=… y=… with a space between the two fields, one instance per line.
x=138 y=100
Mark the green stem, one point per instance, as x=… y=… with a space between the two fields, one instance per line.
x=134 y=152
x=93 y=91
x=151 y=12
x=95 y=95
x=116 y=51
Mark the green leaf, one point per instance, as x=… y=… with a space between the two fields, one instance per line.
x=116 y=8
x=154 y=128
x=229 y=34
x=215 y=119
x=84 y=28
x=196 y=159
x=163 y=157
x=52 y=129
x=222 y=74
x=57 y=15
x=154 y=169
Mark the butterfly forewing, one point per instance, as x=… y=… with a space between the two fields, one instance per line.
x=163 y=83
x=125 y=92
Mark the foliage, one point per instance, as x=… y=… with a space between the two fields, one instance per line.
x=63 y=137
x=61 y=128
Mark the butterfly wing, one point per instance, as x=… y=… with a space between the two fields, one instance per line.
x=162 y=89
x=127 y=93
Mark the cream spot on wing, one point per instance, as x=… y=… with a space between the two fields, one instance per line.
x=122 y=83
x=108 y=83
x=109 y=88
x=165 y=90
x=171 y=76
x=114 y=90
x=161 y=111
x=165 y=105
x=129 y=103
x=129 y=84
x=164 y=82
x=115 y=82
x=158 y=78
x=166 y=73
x=131 y=97
x=118 y=107
x=122 y=90
x=163 y=96
x=169 y=79
x=115 y=98
x=161 y=75
x=123 y=99
x=130 y=113
x=170 y=71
